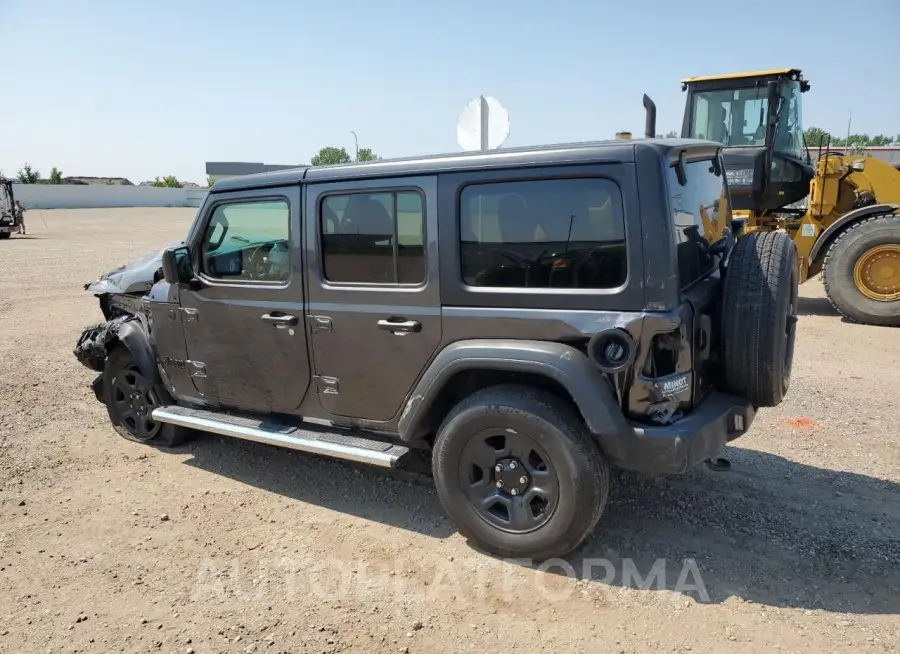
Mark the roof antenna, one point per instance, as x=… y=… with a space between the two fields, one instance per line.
x=650 y=124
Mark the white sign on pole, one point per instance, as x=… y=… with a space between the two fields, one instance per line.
x=483 y=124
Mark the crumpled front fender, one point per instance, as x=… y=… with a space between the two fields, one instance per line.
x=95 y=342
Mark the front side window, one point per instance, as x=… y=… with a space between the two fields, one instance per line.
x=552 y=233
x=248 y=242
x=373 y=238
x=701 y=218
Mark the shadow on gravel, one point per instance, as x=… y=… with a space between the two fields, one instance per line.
x=399 y=498
x=769 y=531
x=815 y=306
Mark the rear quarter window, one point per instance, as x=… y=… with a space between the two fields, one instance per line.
x=701 y=217
x=548 y=233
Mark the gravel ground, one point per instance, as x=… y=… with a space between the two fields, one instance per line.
x=225 y=546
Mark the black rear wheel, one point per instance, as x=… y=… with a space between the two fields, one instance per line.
x=4 y=235
x=518 y=472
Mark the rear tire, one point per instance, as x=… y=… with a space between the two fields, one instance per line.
x=839 y=268
x=546 y=455
x=759 y=316
x=130 y=396
x=5 y=235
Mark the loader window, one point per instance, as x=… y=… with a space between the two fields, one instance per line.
x=701 y=217
x=737 y=118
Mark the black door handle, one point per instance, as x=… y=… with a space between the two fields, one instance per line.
x=400 y=326
x=280 y=319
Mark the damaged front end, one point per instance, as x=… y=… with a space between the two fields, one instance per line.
x=120 y=290
x=120 y=293
x=92 y=347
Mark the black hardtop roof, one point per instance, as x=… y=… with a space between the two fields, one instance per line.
x=612 y=151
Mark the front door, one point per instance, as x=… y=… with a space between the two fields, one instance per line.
x=374 y=301
x=243 y=321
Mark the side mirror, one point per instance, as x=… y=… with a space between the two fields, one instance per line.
x=176 y=265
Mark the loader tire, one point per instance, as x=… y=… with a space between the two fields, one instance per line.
x=759 y=317
x=861 y=271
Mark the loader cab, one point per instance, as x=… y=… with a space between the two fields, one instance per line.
x=758 y=117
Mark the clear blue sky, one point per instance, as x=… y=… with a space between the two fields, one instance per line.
x=141 y=88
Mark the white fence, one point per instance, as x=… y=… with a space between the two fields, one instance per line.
x=75 y=196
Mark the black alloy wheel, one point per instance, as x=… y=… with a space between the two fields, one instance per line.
x=512 y=483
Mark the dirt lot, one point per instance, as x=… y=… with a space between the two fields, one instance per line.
x=225 y=546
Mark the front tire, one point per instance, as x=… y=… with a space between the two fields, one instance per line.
x=5 y=235
x=519 y=474
x=130 y=396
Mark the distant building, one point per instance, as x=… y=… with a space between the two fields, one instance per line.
x=105 y=181
x=217 y=170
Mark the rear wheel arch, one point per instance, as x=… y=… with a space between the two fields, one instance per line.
x=468 y=366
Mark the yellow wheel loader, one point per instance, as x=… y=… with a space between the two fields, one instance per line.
x=849 y=229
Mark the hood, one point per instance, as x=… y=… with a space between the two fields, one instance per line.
x=137 y=276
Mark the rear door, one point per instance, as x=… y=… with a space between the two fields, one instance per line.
x=374 y=303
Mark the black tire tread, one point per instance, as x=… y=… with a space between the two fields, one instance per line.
x=751 y=315
x=834 y=250
x=591 y=479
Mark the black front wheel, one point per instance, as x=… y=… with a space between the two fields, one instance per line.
x=519 y=474
x=131 y=396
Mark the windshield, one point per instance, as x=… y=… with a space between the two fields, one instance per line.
x=737 y=117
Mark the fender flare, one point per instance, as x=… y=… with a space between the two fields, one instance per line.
x=561 y=363
x=845 y=221
x=134 y=335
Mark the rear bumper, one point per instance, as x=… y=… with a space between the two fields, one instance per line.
x=676 y=448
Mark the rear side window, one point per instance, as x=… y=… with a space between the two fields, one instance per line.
x=374 y=238
x=553 y=233
x=700 y=215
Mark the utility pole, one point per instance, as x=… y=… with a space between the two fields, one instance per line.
x=356 y=141
x=849 y=120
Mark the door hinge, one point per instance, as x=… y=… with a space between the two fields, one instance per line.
x=326 y=385
x=319 y=323
x=196 y=369
x=189 y=315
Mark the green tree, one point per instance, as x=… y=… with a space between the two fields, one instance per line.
x=813 y=136
x=169 y=181
x=210 y=181
x=56 y=176
x=366 y=154
x=29 y=175
x=331 y=155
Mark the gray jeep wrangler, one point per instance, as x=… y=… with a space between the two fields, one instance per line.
x=530 y=316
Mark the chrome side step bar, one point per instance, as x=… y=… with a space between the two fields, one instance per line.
x=331 y=443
